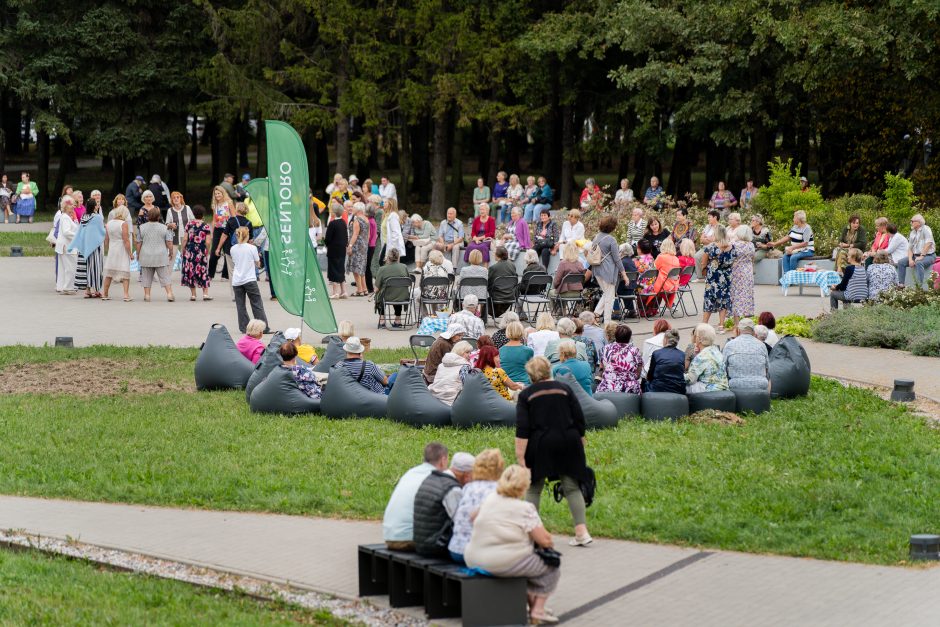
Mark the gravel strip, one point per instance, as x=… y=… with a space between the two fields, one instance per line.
x=359 y=612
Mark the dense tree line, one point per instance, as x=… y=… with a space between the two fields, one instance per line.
x=848 y=88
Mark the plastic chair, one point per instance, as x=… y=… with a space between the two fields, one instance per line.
x=429 y=304
x=687 y=290
x=476 y=281
x=567 y=305
x=410 y=316
x=503 y=284
x=647 y=304
x=420 y=341
x=625 y=294
x=666 y=294
x=537 y=296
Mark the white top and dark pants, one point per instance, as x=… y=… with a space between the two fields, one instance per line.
x=245 y=260
x=924 y=250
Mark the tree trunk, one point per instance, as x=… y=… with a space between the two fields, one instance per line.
x=42 y=176
x=261 y=158
x=567 y=155
x=228 y=148
x=439 y=166
x=343 y=155
x=194 y=147
x=421 y=157
x=212 y=136
x=494 y=157
x=63 y=170
x=456 y=168
x=515 y=142
x=680 y=174
x=362 y=164
x=322 y=168
x=552 y=157
x=392 y=160
x=243 y=137
x=27 y=119
x=309 y=139
x=117 y=177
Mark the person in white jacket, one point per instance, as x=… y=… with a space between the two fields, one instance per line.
x=454 y=368
x=392 y=235
x=67 y=261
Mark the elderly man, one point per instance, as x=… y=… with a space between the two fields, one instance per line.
x=654 y=193
x=921 y=252
x=451 y=235
x=228 y=184
x=441 y=346
x=366 y=373
x=502 y=268
x=398 y=521
x=436 y=503
x=746 y=359
x=468 y=318
x=422 y=237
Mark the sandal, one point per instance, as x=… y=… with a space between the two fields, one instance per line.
x=105 y=298
x=192 y=298
x=206 y=298
x=127 y=300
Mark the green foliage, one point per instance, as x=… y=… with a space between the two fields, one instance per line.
x=795 y=324
x=909 y=297
x=899 y=198
x=915 y=329
x=34 y=244
x=782 y=196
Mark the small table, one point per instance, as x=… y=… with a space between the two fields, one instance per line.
x=823 y=279
x=432 y=325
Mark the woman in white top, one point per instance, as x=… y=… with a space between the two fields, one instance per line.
x=624 y=194
x=544 y=333
x=392 y=234
x=897 y=245
x=68 y=261
x=246 y=261
x=572 y=230
x=516 y=192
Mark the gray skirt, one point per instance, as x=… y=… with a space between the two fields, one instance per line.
x=542 y=579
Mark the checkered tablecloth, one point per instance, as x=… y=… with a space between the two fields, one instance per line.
x=823 y=279
x=432 y=326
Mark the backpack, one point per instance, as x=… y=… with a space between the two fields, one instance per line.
x=233 y=240
x=594 y=256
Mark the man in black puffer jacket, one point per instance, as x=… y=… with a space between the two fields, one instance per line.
x=436 y=503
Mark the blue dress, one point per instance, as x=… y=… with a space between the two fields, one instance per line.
x=718 y=279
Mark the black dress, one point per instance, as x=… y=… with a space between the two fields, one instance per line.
x=656 y=240
x=336 y=239
x=549 y=416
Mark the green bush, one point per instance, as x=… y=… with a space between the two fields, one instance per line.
x=899 y=198
x=782 y=196
x=916 y=330
x=795 y=324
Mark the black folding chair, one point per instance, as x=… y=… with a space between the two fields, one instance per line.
x=475 y=281
x=568 y=305
x=647 y=304
x=430 y=304
x=503 y=285
x=409 y=313
x=420 y=341
x=627 y=295
x=688 y=271
x=536 y=296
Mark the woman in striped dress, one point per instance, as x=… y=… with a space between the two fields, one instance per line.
x=89 y=274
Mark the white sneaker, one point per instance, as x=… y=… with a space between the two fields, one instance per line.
x=584 y=540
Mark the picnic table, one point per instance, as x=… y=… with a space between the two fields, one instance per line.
x=823 y=279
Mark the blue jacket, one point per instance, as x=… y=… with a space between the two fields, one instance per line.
x=544 y=196
x=667 y=371
x=580 y=370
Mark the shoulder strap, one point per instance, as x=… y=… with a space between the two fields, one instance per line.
x=362 y=371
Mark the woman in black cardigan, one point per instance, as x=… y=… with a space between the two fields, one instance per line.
x=336 y=239
x=550 y=441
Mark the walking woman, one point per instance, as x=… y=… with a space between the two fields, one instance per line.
x=89 y=242
x=609 y=268
x=119 y=245
x=357 y=248
x=336 y=239
x=195 y=270
x=68 y=227
x=373 y=241
x=742 y=275
x=550 y=441
x=223 y=208
x=718 y=259
x=245 y=264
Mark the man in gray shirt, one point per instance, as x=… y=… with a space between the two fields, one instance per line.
x=746 y=359
x=921 y=251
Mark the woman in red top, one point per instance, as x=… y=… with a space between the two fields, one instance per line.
x=665 y=262
x=686 y=259
x=591 y=196
x=482 y=233
x=880 y=241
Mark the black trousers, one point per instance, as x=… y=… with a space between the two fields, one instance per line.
x=545 y=252
x=253 y=294
x=369 y=285
x=217 y=236
x=267 y=269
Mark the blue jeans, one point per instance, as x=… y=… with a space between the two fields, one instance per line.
x=921 y=269
x=529 y=214
x=505 y=213
x=790 y=262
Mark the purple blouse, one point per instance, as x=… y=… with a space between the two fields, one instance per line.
x=521 y=231
x=499 y=190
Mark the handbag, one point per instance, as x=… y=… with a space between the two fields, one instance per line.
x=588 y=487
x=551 y=557
x=51 y=238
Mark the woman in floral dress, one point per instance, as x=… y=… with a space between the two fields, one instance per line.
x=622 y=363
x=357 y=248
x=718 y=260
x=195 y=257
x=742 y=275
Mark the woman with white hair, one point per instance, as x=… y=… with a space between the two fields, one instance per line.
x=434 y=269
x=423 y=236
x=499 y=338
x=742 y=275
x=67 y=261
x=718 y=259
x=450 y=375
x=544 y=333
x=357 y=247
x=118 y=244
x=706 y=372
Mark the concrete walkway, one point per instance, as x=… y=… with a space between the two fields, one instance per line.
x=27 y=227
x=609 y=583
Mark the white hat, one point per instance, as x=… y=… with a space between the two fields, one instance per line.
x=155 y=178
x=354 y=346
x=470 y=300
x=292 y=333
x=353 y=177
x=462 y=462
x=454 y=329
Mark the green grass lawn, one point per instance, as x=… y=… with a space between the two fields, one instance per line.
x=39 y=589
x=34 y=244
x=840 y=474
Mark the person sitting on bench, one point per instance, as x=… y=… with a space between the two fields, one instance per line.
x=398 y=521
x=436 y=504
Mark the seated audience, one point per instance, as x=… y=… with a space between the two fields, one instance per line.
x=666 y=371
x=250 y=345
x=882 y=275
x=454 y=368
x=477 y=271
x=398 y=520
x=666 y=261
x=746 y=359
x=568 y=265
x=503 y=268
x=488 y=362
x=854 y=285
x=654 y=343
x=434 y=269
x=505 y=533
x=544 y=333
x=761 y=332
x=304 y=351
x=345 y=330
x=514 y=355
x=442 y=345
x=423 y=236
x=686 y=259
x=568 y=363
x=467 y=317
x=482 y=341
x=499 y=338
x=487 y=468
x=579 y=337
x=707 y=369
x=566 y=329
x=592 y=331
x=303 y=375
x=365 y=372
x=622 y=363
x=392 y=268
x=768 y=320
x=436 y=503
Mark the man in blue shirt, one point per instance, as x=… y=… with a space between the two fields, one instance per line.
x=450 y=234
x=366 y=373
x=654 y=193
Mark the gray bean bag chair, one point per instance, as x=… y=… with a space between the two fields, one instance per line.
x=722 y=400
x=789 y=369
x=663 y=405
x=626 y=404
x=269 y=360
x=220 y=366
x=598 y=414
x=480 y=404
x=279 y=394
x=754 y=401
x=333 y=355
x=411 y=402
x=344 y=397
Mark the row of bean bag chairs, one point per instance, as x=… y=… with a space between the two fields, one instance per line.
x=220 y=365
x=333 y=354
x=598 y=413
x=270 y=359
x=279 y=394
x=480 y=404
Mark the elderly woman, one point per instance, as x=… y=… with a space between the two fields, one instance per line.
x=550 y=438
x=489 y=364
x=566 y=329
x=423 y=237
x=624 y=194
x=591 y=196
x=854 y=285
x=800 y=239
x=89 y=273
x=627 y=288
x=514 y=354
x=474 y=270
x=742 y=275
x=667 y=366
x=622 y=363
x=515 y=193
x=768 y=320
x=532 y=266
x=357 y=247
x=392 y=268
x=66 y=261
x=760 y=237
x=546 y=237
x=250 y=344
x=654 y=343
x=683 y=228
x=569 y=363
x=718 y=261
x=450 y=375
x=504 y=533
x=501 y=197
x=336 y=240
x=707 y=369
x=636 y=227
x=882 y=275
x=487 y=468
x=568 y=265
x=303 y=375
x=155 y=243
x=880 y=241
x=516 y=238
x=433 y=270
x=734 y=221
x=722 y=200
x=195 y=270
x=610 y=268
x=544 y=333
x=572 y=229
x=853 y=236
x=666 y=262
x=482 y=233
x=118 y=244
x=481 y=196
x=499 y=337
x=686 y=260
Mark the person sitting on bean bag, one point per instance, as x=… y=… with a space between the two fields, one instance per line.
x=707 y=370
x=304 y=351
x=251 y=345
x=454 y=368
x=667 y=366
x=366 y=373
x=303 y=375
x=570 y=364
x=488 y=362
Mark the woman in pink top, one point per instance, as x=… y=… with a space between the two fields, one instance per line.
x=686 y=259
x=251 y=345
x=880 y=241
x=373 y=238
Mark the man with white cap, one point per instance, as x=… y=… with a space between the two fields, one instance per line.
x=398 y=521
x=468 y=317
x=366 y=373
x=436 y=503
x=304 y=351
x=746 y=359
x=441 y=346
